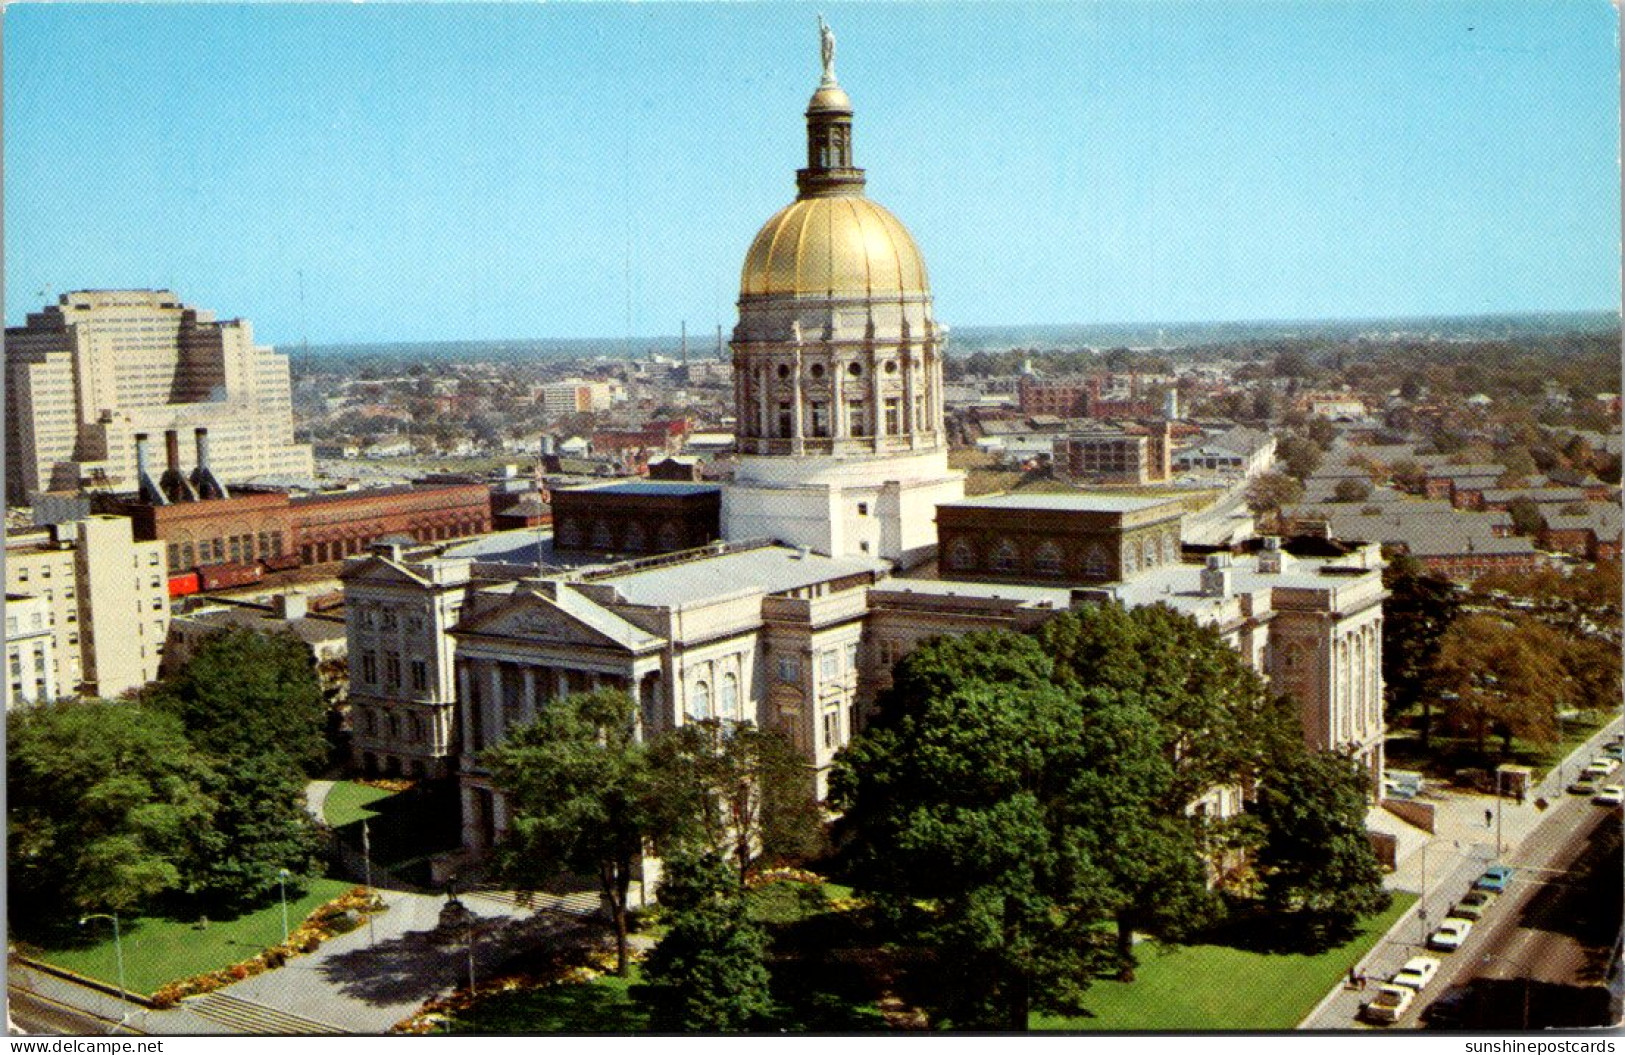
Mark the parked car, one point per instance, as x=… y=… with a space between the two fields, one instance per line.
x=1450 y=935
x=1611 y=795
x=1495 y=879
x=1473 y=905
x=1614 y=750
x=1389 y=1004
x=1584 y=784
x=1602 y=765
x=1417 y=972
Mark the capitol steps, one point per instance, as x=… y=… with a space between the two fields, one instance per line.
x=244 y=1016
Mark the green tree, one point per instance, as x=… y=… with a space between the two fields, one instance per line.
x=709 y=973
x=1518 y=464
x=1419 y=609
x=757 y=791
x=1526 y=516
x=1316 y=861
x=587 y=796
x=1219 y=719
x=967 y=816
x=260 y=829
x=1503 y=676
x=106 y=804
x=1408 y=475
x=1351 y=491
x=1299 y=455
x=1270 y=492
x=244 y=694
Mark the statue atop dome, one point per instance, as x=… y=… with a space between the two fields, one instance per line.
x=826 y=43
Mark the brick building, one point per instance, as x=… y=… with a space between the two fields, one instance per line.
x=1071 y=538
x=637 y=518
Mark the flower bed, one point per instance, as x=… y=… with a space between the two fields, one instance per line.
x=339 y=916
x=434 y=1014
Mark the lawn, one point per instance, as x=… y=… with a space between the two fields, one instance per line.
x=1447 y=754
x=1215 y=987
x=164 y=950
x=599 y=1006
x=349 y=802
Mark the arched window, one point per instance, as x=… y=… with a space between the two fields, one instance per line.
x=1148 y=554
x=1095 y=564
x=699 y=701
x=1047 y=559
x=1131 y=563
x=670 y=537
x=603 y=537
x=728 y=698
x=1006 y=557
x=637 y=540
x=961 y=557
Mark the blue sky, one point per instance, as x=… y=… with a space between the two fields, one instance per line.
x=481 y=172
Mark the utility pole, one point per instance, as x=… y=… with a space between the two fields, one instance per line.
x=366 y=858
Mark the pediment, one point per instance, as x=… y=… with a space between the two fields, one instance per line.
x=380 y=572
x=528 y=617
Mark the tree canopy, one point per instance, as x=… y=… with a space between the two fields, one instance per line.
x=1503 y=675
x=708 y=974
x=107 y=804
x=245 y=694
x=587 y=796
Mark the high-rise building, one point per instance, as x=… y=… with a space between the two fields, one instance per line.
x=838 y=367
x=88 y=374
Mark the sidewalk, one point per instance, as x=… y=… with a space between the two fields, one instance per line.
x=1443 y=865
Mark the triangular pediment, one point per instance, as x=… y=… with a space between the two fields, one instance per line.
x=378 y=571
x=530 y=617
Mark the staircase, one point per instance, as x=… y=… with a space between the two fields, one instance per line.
x=244 y=1016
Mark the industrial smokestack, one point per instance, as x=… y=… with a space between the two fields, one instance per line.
x=207 y=485
x=145 y=485
x=174 y=483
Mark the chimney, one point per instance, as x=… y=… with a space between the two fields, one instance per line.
x=292 y=605
x=1216 y=576
x=148 y=489
x=174 y=483
x=207 y=485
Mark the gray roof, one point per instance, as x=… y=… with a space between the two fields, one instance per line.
x=654 y=487
x=1541 y=495
x=311 y=629
x=769 y=569
x=603 y=620
x=1072 y=503
x=1453 y=472
x=1241 y=439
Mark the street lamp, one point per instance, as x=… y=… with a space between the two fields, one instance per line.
x=118 y=952
x=282 y=891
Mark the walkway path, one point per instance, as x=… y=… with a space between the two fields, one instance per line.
x=316 y=793
x=1442 y=866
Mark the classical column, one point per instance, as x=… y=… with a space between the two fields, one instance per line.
x=529 y=702
x=561 y=684
x=465 y=705
x=493 y=703
x=798 y=443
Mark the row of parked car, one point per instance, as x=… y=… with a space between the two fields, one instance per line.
x=1593 y=779
x=1395 y=996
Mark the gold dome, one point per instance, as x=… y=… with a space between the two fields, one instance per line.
x=834 y=246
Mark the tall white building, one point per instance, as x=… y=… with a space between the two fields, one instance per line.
x=837 y=368
x=89 y=373
x=105 y=598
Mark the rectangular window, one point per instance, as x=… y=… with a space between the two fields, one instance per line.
x=789 y=668
x=830 y=664
x=832 y=729
x=893 y=417
x=852 y=657
x=174 y=554
x=857 y=420
x=369 y=668
x=420 y=675
x=392 y=669
x=820 y=419
x=45 y=572
x=786 y=421
x=152 y=559
x=186 y=555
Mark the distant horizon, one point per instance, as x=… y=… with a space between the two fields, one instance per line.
x=703 y=345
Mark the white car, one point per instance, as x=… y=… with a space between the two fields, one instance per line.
x=1611 y=795
x=1602 y=766
x=1390 y=1003
x=1417 y=972
x=1450 y=935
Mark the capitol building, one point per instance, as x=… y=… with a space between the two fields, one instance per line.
x=828 y=570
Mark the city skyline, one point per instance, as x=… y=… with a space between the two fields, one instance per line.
x=481 y=173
